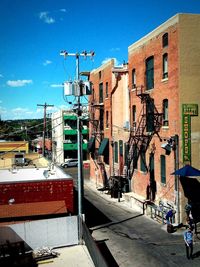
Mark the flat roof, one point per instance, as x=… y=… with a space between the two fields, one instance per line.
x=32 y=174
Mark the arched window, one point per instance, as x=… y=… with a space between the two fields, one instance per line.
x=133 y=78
x=165 y=66
x=165 y=40
x=150 y=73
x=165 y=113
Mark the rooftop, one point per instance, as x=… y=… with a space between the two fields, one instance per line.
x=32 y=174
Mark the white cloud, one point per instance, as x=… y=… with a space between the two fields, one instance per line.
x=44 y=16
x=56 y=85
x=47 y=62
x=19 y=83
x=114 y=49
x=63 y=10
x=108 y=59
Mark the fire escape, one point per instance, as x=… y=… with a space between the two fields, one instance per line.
x=149 y=124
x=97 y=133
x=96 y=118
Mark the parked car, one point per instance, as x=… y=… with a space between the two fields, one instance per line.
x=70 y=163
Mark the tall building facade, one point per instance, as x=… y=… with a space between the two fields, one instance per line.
x=147 y=123
x=64 y=136
x=109 y=121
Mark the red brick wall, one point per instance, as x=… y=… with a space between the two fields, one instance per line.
x=168 y=89
x=27 y=192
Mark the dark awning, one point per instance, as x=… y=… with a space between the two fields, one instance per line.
x=91 y=144
x=103 y=146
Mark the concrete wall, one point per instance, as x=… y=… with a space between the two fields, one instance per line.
x=43 y=233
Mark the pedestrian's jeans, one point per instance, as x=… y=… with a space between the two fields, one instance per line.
x=189 y=250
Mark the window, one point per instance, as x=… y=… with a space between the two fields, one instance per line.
x=135 y=156
x=121 y=147
x=100 y=92
x=99 y=75
x=165 y=112
x=163 y=169
x=101 y=120
x=133 y=78
x=150 y=73
x=107 y=119
x=143 y=161
x=134 y=116
x=165 y=40
x=150 y=115
x=106 y=89
x=116 y=152
x=165 y=66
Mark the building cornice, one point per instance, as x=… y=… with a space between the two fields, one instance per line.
x=162 y=28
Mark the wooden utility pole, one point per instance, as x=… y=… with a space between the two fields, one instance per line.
x=44 y=125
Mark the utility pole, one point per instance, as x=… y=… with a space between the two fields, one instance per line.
x=44 y=125
x=79 y=92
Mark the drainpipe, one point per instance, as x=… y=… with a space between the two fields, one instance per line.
x=111 y=120
x=176 y=164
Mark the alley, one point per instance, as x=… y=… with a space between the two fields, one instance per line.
x=134 y=239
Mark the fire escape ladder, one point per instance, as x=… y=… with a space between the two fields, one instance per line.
x=150 y=122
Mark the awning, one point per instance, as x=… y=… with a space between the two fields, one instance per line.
x=91 y=144
x=187 y=170
x=103 y=146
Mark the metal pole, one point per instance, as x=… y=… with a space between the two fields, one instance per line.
x=176 y=155
x=79 y=141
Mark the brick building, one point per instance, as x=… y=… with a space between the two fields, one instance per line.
x=108 y=126
x=163 y=81
x=160 y=132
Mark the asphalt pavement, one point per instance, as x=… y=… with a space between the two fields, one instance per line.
x=134 y=239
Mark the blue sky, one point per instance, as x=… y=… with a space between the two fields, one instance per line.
x=33 y=32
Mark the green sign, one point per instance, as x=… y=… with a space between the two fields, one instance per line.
x=190 y=109
x=186 y=133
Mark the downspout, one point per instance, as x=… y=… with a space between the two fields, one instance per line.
x=111 y=121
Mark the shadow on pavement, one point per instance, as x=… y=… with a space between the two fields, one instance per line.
x=114 y=223
x=196 y=254
x=93 y=216
x=106 y=253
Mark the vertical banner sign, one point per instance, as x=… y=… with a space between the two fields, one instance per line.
x=188 y=110
x=186 y=139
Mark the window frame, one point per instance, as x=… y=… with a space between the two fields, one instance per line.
x=165 y=39
x=149 y=63
x=165 y=112
x=165 y=66
x=163 y=169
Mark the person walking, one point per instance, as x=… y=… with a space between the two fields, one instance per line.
x=188 y=238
